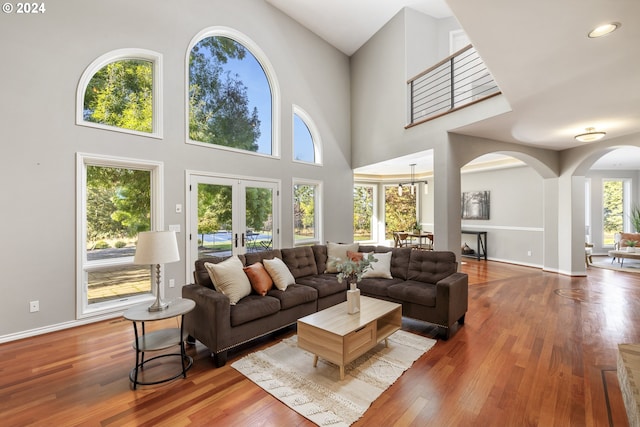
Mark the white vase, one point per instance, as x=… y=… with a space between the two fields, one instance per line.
x=631 y=249
x=353 y=299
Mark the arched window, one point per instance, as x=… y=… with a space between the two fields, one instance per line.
x=122 y=91
x=306 y=139
x=231 y=93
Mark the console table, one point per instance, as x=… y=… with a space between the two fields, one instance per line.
x=481 y=244
x=159 y=340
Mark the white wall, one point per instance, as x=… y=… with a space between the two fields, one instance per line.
x=43 y=58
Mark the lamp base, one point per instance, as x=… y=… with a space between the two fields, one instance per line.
x=158 y=306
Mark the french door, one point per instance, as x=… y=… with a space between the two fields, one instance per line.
x=231 y=216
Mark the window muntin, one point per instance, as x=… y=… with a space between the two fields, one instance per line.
x=118 y=198
x=364 y=213
x=122 y=91
x=306 y=138
x=231 y=94
x=306 y=209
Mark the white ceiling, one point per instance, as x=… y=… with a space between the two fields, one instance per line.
x=557 y=80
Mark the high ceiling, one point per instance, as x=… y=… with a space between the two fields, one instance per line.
x=556 y=79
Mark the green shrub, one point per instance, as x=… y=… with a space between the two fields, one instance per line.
x=120 y=244
x=101 y=245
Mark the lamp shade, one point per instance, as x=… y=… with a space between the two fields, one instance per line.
x=156 y=247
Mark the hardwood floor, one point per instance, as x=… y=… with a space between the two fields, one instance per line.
x=537 y=349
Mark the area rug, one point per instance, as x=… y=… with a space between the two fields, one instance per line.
x=286 y=372
x=629 y=265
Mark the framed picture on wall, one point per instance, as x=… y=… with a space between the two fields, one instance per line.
x=475 y=205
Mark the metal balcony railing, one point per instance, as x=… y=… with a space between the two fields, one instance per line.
x=458 y=81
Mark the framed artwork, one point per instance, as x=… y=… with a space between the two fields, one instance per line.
x=475 y=205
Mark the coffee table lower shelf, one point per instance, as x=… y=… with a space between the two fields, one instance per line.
x=341 y=338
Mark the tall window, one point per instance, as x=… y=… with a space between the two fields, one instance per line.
x=118 y=199
x=230 y=97
x=363 y=213
x=122 y=91
x=615 y=206
x=306 y=138
x=399 y=210
x=306 y=209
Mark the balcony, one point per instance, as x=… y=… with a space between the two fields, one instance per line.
x=456 y=82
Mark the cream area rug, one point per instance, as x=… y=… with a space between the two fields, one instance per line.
x=286 y=372
x=629 y=265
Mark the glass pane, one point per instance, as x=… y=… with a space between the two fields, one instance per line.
x=304 y=212
x=214 y=220
x=121 y=94
x=118 y=207
x=362 y=213
x=118 y=282
x=259 y=219
x=399 y=210
x=613 y=210
x=302 y=141
x=229 y=96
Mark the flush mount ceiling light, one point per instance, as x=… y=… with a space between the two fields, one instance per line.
x=603 y=30
x=590 y=135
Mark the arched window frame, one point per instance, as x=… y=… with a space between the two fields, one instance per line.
x=120 y=55
x=261 y=57
x=313 y=130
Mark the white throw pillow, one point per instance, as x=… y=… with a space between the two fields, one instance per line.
x=279 y=272
x=229 y=278
x=380 y=268
x=337 y=253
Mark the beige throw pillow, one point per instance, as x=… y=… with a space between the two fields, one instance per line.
x=337 y=253
x=228 y=278
x=380 y=268
x=279 y=272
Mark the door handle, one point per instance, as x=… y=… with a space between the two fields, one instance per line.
x=243 y=240
x=236 y=240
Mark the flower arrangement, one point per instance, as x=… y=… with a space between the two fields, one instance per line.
x=353 y=268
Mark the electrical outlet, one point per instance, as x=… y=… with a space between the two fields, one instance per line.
x=172 y=283
x=529 y=253
x=34 y=306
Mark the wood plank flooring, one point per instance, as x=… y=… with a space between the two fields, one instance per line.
x=537 y=349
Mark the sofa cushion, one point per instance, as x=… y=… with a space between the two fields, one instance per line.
x=253 y=307
x=399 y=259
x=201 y=274
x=337 y=252
x=230 y=279
x=325 y=284
x=279 y=272
x=414 y=292
x=294 y=295
x=377 y=286
x=320 y=254
x=253 y=257
x=300 y=261
x=431 y=266
x=259 y=278
x=379 y=268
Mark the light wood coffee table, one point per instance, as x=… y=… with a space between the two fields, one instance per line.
x=340 y=338
x=622 y=255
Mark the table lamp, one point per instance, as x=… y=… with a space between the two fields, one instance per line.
x=157 y=247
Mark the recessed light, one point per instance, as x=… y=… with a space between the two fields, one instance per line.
x=603 y=30
x=590 y=135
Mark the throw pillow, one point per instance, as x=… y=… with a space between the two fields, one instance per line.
x=380 y=268
x=355 y=256
x=228 y=278
x=337 y=252
x=279 y=272
x=259 y=278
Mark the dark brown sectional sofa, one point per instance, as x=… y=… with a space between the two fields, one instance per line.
x=426 y=283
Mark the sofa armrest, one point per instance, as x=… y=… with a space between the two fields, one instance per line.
x=452 y=294
x=210 y=321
